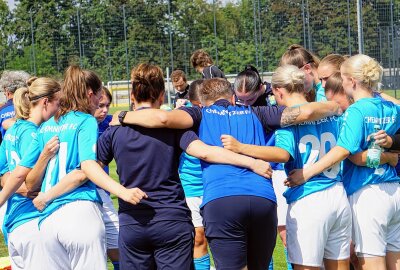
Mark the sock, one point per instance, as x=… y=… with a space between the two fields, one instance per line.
x=271 y=264
x=202 y=263
x=116 y=265
x=289 y=265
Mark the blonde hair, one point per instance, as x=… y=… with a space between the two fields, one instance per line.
x=335 y=84
x=334 y=60
x=364 y=69
x=297 y=55
x=76 y=85
x=289 y=77
x=27 y=97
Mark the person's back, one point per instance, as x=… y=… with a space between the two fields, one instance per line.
x=68 y=128
x=226 y=180
x=307 y=143
x=149 y=159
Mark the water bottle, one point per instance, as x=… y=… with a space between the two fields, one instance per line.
x=374 y=151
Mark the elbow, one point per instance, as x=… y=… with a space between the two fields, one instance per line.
x=204 y=156
x=163 y=118
x=30 y=185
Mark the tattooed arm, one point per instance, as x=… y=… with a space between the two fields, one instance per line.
x=308 y=112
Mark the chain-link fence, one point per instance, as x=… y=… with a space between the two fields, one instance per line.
x=111 y=37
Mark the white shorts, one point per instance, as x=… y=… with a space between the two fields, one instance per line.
x=110 y=218
x=278 y=178
x=376 y=219
x=74 y=237
x=318 y=226
x=194 y=206
x=25 y=247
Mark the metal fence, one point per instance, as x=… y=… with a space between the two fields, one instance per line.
x=112 y=39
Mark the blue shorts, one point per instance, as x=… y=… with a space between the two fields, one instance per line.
x=241 y=231
x=161 y=245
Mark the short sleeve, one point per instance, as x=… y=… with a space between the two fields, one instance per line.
x=284 y=139
x=31 y=156
x=187 y=138
x=26 y=139
x=351 y=132
x=87 y=139
x=3 y=159
x=104 y=147
x=195 y=113
x=269 y=116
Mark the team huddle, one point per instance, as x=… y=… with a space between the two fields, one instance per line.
x=225 y=172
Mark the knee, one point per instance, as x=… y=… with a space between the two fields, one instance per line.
x=200 y=238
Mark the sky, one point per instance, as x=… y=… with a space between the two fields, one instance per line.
x=11 y=4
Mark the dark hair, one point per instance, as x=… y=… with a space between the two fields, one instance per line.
x=194 y=90
x=147 y=82
x=77 y=83
x=335 y=84
x=248 y=80
x=107 y=93
x=177 y=74
x=200 y=58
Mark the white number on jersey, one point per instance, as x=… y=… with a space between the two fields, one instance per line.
x=62 y=165
x=318 y=150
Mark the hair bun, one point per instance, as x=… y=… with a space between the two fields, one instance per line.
x=371 y=72
x=297 y=77
x=294 y=47
x=30 y=81
x=140 y=79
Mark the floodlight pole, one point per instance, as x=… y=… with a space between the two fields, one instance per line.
x=360 y=27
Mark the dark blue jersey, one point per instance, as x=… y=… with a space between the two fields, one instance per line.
x=6 y=112
x=247 y=125
x=148 y=159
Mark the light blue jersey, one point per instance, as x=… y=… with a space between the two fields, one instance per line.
x=190 y=174
x=77 y=133
x=307 y=143
x=358 y=123
x=14 y=147
x=320 y=92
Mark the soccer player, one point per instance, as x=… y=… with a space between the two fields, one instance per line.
x=328 y=66
x=157 y=232
x=308 y=62
x=110 y=215
x=33 y=105
x=374 y=194
x=71 y=226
